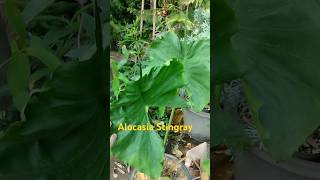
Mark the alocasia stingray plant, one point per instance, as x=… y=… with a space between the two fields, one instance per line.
x=195 y=57
x=272 y=46
x=63 y=131
x=173 y=65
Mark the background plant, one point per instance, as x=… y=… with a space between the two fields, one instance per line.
x=51 y=136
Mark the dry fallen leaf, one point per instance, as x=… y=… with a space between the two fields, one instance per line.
x=177 y=152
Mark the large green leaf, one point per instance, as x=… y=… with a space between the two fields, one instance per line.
x=278 y=40
x=226 y=65
x=229 y=122
x=64 y=135
x=196 y=60
x=144 y=149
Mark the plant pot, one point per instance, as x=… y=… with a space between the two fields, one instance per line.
x=200 y=124
x=308 y=156
x=182 y=167
x=257 y=165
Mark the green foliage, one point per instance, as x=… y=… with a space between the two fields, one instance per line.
x=277 y=44
x=201 y=28
x=15 y=18
x=144 y=149
x=18 y=79
x=35 y=7
x=44 y=55
x=173 y=65
x=228 y=130
x=55 y=127
x=225 y=26
x=62 y=133
x=205 y=165
x=195 y=56
x=178 y=22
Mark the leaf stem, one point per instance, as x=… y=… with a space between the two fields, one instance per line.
x=140 y=69
x=141 y=18
x=83 y=8
x=167 y=129
x=154 y=19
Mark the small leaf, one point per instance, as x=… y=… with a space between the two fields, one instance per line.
x=18 y=79
x=14 y=16
x=115 y=79
x=83 y=52
x=162 y=111
x=205 y=165
x=44 y=55
x=37 y=76
x=88 y=23
x=54 y=35
x=35 y=7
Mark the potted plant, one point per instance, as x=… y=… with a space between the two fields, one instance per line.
x=271 y=46
x=172 y=65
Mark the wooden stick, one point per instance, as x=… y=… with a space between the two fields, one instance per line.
x=141 y=18
x=154 y=19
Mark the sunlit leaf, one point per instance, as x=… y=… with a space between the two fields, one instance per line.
x=43 y=54
x=195 y=57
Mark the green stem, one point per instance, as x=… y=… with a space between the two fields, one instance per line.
x=167 y=129
x=88 y=6
x=52 y=18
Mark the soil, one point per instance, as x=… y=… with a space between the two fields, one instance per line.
x=223 y=167
x=171 y=170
